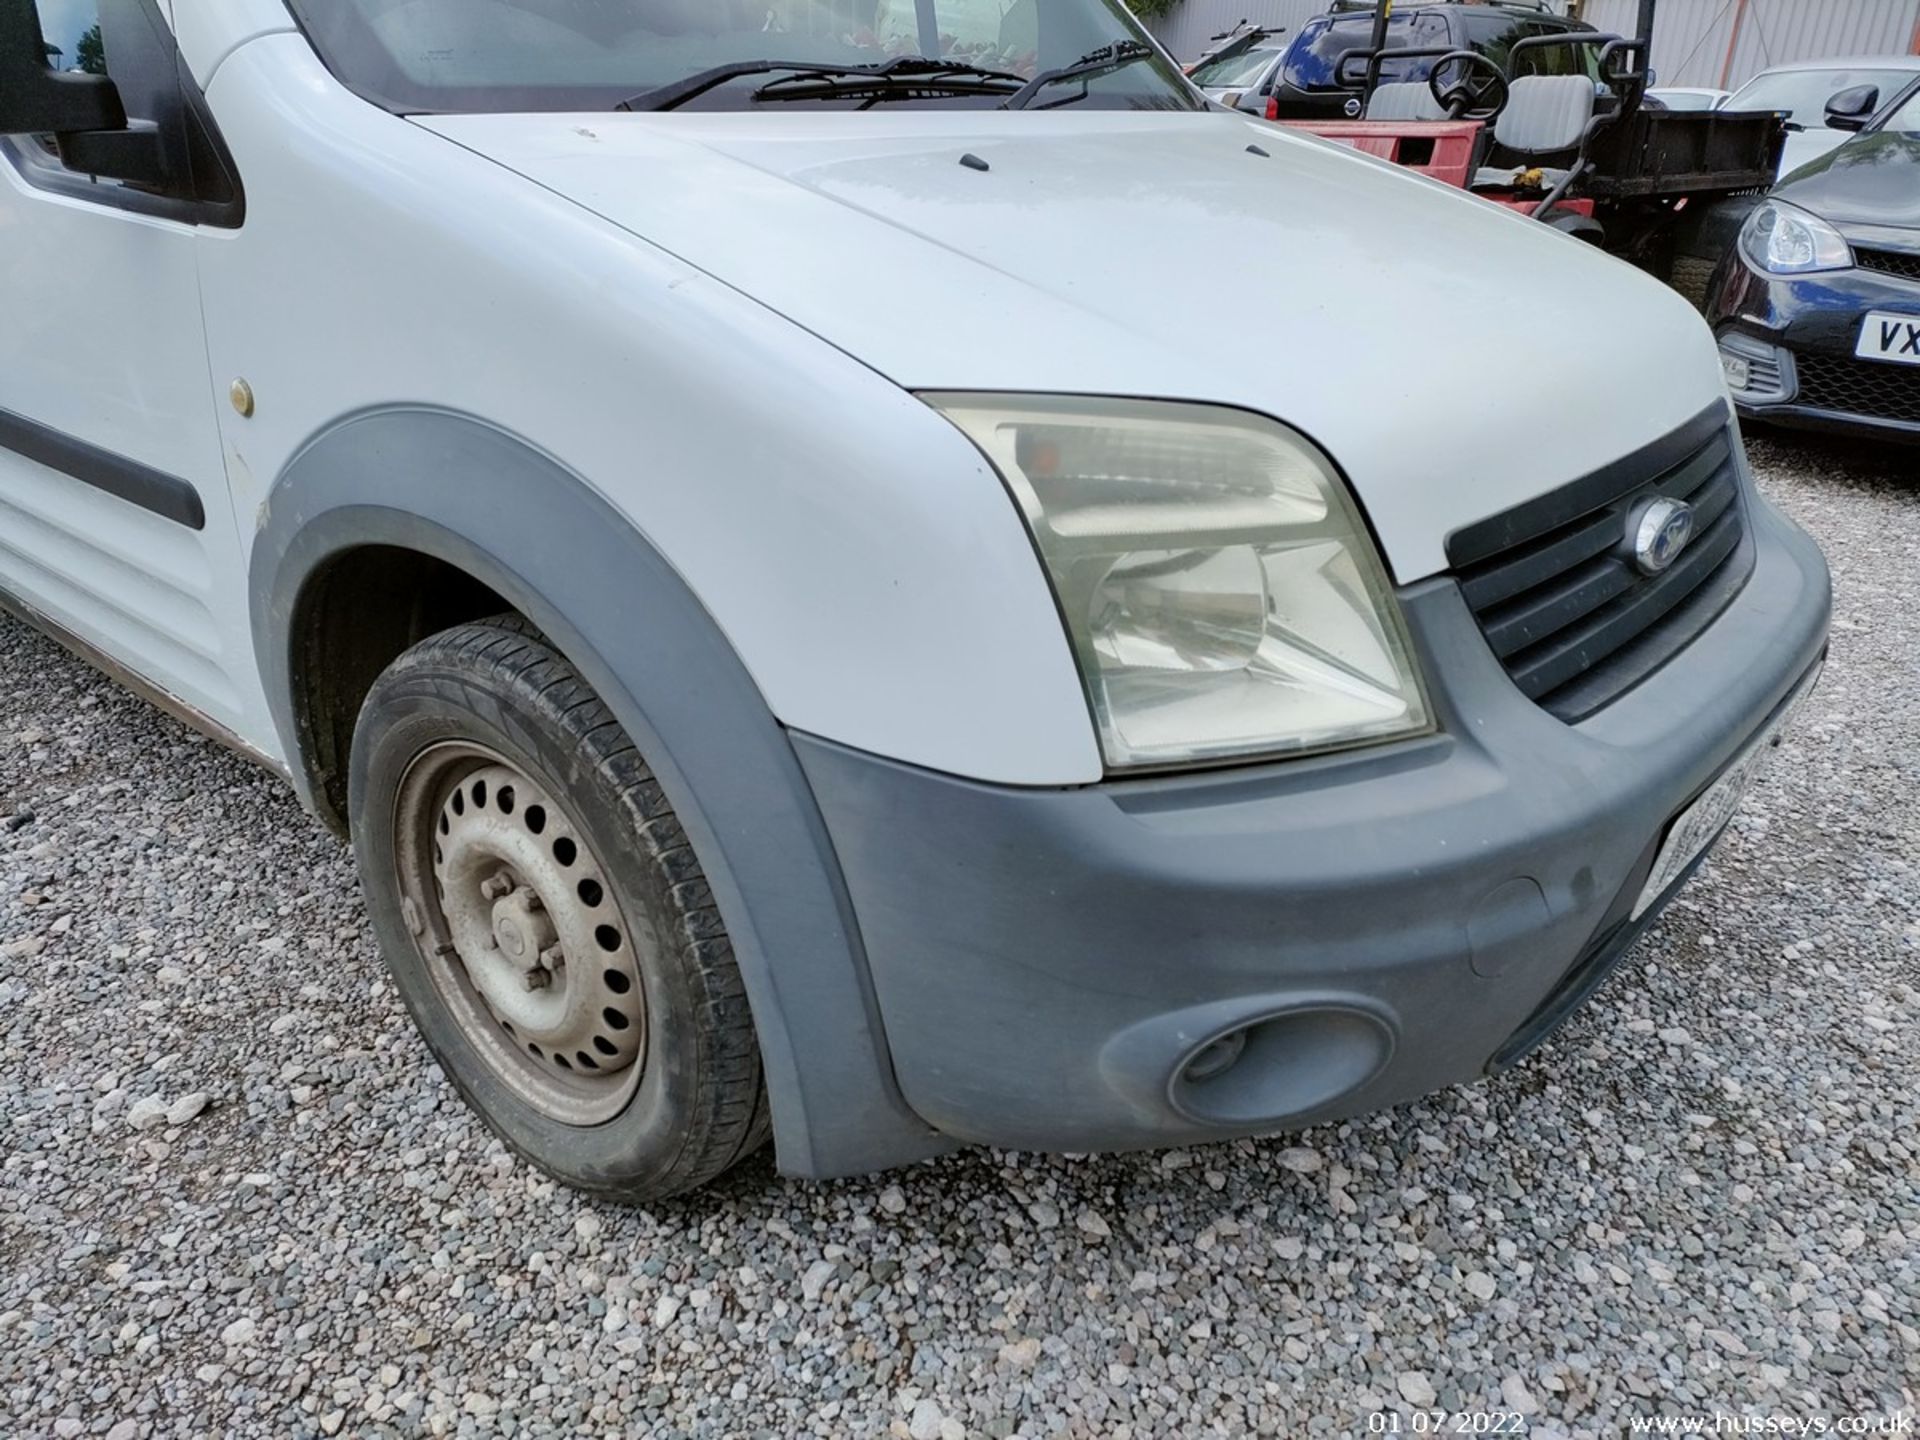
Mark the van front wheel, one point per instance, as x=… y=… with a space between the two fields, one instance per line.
x=546 y=920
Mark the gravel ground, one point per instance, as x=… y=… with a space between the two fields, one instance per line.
x=236 y=1197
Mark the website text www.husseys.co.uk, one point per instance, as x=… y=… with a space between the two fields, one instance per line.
x=1899 y=1423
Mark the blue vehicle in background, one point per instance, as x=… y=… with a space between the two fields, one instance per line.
x=1301 y=77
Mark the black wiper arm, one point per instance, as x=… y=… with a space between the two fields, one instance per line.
x=669 y=97
x=906 y=72
x=1095 y=62
x=904 y=67
x=925 y=66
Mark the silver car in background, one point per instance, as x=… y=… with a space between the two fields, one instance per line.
x=1801 y=91
x=1244 y=68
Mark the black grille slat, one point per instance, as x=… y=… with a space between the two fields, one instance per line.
x=1888 y=262
x=1661 y=642
x=1573 y=654
x=1711 y=503
x=1702 y=470
x=1565 y=594
x=1877 y=389
x=1558 y=596
x=1515 y=627
x=1495 y=582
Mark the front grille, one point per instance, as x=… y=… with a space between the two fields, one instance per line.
x=1860 y=387
x=1554 y=587
x=1888 y=262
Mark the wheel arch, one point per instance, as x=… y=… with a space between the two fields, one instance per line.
x=490 y=513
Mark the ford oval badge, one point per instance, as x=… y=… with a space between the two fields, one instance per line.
x=1659 y=533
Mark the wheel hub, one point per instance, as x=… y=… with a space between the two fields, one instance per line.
x=535 y=943
x=524 y=933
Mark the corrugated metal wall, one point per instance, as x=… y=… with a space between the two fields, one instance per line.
x=1775 y=31
x=1689 y=36
x=1694 y=42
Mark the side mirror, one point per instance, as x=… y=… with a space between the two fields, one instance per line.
x=83 y=113
x=1852 y=109
x=37 y=100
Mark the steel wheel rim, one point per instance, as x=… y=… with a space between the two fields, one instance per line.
x=523 y=936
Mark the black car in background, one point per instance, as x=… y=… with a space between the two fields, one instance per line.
x=1818 y=306
x=1300 y=80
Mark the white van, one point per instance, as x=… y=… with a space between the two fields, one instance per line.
x=721 y=501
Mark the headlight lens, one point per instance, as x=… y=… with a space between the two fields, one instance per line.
x=1783 y=239
x=1222 y=595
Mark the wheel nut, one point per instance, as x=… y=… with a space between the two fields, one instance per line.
x=552 y=958
x=495 y=886
x=538 y=979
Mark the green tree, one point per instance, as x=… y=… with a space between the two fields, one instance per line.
x=1152 y=7
x=90 y=54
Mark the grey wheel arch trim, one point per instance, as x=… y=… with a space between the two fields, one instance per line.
x=476 y=498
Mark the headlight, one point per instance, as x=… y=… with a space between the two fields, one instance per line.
x=1783 y=239
x=1223 y=596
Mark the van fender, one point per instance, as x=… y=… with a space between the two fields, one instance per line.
x=465 y=492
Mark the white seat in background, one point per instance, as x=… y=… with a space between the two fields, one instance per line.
x=1546 y=114
x=1404 y=100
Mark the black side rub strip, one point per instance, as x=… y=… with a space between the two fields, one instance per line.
x=165 y=495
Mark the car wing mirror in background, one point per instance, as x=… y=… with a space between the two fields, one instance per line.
x=83 y=113
x=1852 y=109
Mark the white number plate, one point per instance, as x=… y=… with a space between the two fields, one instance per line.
x=1701 y=823
x=1887 y=336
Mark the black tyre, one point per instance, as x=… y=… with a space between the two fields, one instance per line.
x=546 y=919
x=1692 y=276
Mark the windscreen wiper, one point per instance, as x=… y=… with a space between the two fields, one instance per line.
x=907 y=72
x=1095 y=62
x=917 y=68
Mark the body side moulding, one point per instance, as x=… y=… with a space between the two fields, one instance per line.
x=165 y=495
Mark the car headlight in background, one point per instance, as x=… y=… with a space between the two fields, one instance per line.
x=1783 y=239
x=1223 y=597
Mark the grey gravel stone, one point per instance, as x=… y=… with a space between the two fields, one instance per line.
x=186 y=1108
x=147 y=1112
x=1571 y=1240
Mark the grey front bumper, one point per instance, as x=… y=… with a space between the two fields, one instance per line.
x=1370 y=926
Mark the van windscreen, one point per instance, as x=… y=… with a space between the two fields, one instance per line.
x=438 y=56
